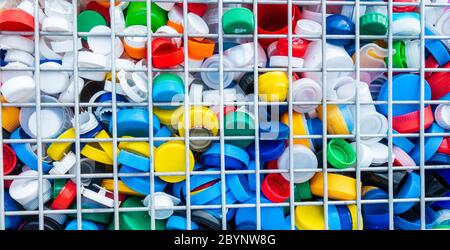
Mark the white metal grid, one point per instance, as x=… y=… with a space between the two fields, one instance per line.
x=221 y=138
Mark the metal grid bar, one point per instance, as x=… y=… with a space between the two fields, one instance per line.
x=256 y=103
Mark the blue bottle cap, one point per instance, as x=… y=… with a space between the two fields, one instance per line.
x=134 y=122
x=337 y=24
x=107 y=97
x=345 y=217
x=133 y=160
x=85 y=225
x=42 y=61
x=272 y=218
x=432 y=144
x=140 y=184
x=334 y=221
x=413 y=222
x=168 y=88
x=197 y=181
x=439 y=158
x=405 y=87
x=409 y=189
x=235 y=157
x=268 y=150
x=238 y=185
x=11 y=222
x=348 y=117
x=176 y=222
x=164 y=131
x=437 y=49
x=375 y=208
x=315 y=128
x=273 y=130
x=402 y=142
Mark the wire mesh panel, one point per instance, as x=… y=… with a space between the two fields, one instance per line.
x=224 y=115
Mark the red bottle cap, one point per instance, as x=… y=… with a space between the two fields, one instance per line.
x=65 y=197
x=404 y=8
x=438 y=82
x=275 y=188
x=168 y=58
x=121 y=197
x=299 y=47
x=410 y=122
x=159 y=45
x=16 y=20
x=9 y=159
x=445 y=146
x=272 y=164
x=196 y=8
x=431 y=63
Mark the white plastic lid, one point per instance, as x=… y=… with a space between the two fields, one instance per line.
x=312 y=15
x=163 y=204
x=91 y=60
x=87 y=166
x=87 y=121
x=53 y=82
x=365 y=155
x=99 y=197
x=64 y=165
x=212 y=79
x=68 y=95
x=283 y=62
x=406 y=27
x=308 y=27
x=56 y=24
x=412 y=53
x=402 y=157
x=65 y=46
x=242 y=55
x=379 y=152
x=17 y=42
x=46 y=51
x=51 y=123
x=165 y=29
x=19 y=89
x=304 y=90
x=14 y=55
x=133 y=85
x=25 y=191
x=100 y=44
x=372 y=123
x=109 y=87
x=443 y=23
x=136 y=41
x=213 y=96
x=59 y=8
x=176 y=15
x=442 y=115
x=196 y=93
x=165 y=6
x=196 y=25
x=304 y=158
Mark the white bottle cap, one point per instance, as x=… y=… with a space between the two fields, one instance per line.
x=443 y=23
x=14 y=55
x=371 y=56
x=163 y=204
x=412 y=53
x=87 y=121
x=442 y=115
x=194 y=64
x=64 y=165
x=9 y=74
x=242 y=55
x=119 y=20
x=19 y=89
x=304 y=158
x=213 y=96
x=365 y=155
x=68 y=95
x=91 y=60
x=308 y=27
x=196 y=25
x=196 y=93
x=28 y=6
x=176 y=15
x=60 y=8
x=109 y=87
x=56 y=24
x=65 y=46
x=99 y=197
x=402 y=157
x=283 y=62
x=336 y=56
x=124 y=64
x=332 y=89
x=17 y=42
x=372 y=123
x=25 y=191
x=272 y=49
x=406 y=27
x=211 y=79
x=46 y=51
x=134 y=85
x=380 y=153
x=100 y=44
x=135 y=41
x=312 y=15
x=53 y=82
x=165 y=29
x=306 y=89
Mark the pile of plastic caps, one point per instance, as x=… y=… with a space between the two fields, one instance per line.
x=151 y=179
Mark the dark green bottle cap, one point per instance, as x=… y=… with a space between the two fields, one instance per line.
x=239 y=123
x=373 y=23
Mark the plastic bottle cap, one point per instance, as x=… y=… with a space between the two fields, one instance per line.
x=25 y=191
x=53 y=82
x=283 y=62
x=306 y=89
x=16 y=20
x=161 y=200
x=340 y=153
x=412 y=53
x=406 y=24
x=442 y=115
x=273 y=86
x=99 y=197
x=373 y=23
x=88 y=19
x=9 y=159
x=365 y=155
x=380 y=153
x=239 y=124
x=303 y=159
x=275 y=188
x=211 y=79
x=169 y=157
x=64 y=165
x=196 y=25
x=101 y=44
x=402 y=158
x=374 y=123
x=308 y=27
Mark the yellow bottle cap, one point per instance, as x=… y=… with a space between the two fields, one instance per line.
x=170 y=157
x=10 y=121
x=57 y=150
x=335 y=121
x=169 y=117
x=309 y=218
x=95 y=152
x=106 y=146
x=340 y=187
x=273 y=86
x=108 y=184
x=200 y=117
x=136 y=147
x=353 y=212
x=299 y=127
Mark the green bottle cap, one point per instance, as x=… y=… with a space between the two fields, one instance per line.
x=302 y=191
x=399 y=58
x=239 y=123
x=340 y=153
x=88 y=19
x=102 y=218
x=238 y=21
x=373 y=23
x=138 y=220
x=136 y=15
x=58 y=185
